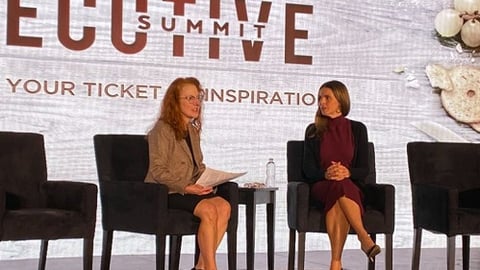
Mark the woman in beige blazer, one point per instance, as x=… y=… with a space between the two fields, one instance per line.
x=176 y=160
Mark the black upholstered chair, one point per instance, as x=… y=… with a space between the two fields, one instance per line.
x=379 y=216
x=33 y=208
x=129 y=204
x=445 y=185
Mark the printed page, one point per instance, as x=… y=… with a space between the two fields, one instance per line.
x=212 y=177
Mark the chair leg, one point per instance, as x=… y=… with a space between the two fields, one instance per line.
x=43 y=255
x=417 y=243
x=106 y=250
x=175 y=251
x=232 y=249
x=466 y=251
x=87 y=253
x=451 y=253
x=371 y=264
x=160 y=252
x=388 y=252
x=301 y=251
x=291 y=249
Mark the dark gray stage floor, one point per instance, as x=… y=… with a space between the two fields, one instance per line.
x=431 y=259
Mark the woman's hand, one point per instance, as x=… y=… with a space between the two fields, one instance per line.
x=198 y=189
x=337 y=172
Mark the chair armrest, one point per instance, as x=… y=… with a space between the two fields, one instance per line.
x=133 y=205
x=469 y=198
x=229 y=191
x=432 y=204
x=381 y=197
x=76 y=196
x=3 y=201
x=298 y=204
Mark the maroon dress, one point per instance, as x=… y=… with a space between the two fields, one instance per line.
x=336 y=146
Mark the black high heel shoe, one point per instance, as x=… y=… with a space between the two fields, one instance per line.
x=372 y=252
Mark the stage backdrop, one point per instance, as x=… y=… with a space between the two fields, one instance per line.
x=73 y=69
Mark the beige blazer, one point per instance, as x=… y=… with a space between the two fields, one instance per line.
x=171 y=161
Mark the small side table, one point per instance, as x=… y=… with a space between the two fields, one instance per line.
x=250 y=197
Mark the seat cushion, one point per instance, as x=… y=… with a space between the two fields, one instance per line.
x=470 y=198
x=374 y=221
x=467 y=221
x=42 y=223
x=185 y=223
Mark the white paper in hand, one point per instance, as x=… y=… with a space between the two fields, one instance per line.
x=211 y=177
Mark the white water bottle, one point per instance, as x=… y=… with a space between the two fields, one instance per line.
x=270 y=172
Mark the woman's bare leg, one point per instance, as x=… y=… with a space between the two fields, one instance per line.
x=353 y=214
x=337 y=229
x=222 y=209
x=207 y=234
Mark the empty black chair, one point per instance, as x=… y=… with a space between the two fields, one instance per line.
x=33 y=208
x=303 y=217
x=445 y=185
x=129 y=204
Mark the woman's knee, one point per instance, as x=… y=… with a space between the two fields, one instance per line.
x=206 y=210
x=225 y=209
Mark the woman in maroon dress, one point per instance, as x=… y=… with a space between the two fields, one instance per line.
x=336 y=164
